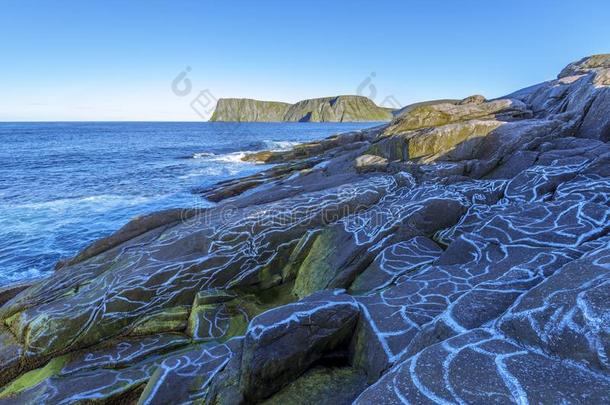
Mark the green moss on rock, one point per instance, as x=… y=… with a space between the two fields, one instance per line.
x=445 y=139
x=315 y=272
x=34 y=377
x=436 y=115
x=339 y=385
x=172 y=319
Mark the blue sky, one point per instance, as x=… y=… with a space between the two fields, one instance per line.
x=116 y=60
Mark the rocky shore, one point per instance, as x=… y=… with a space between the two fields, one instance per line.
x=458 y=254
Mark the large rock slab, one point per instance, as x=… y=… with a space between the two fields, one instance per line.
x=586 y=65
x=473 y=282
x=490 y=299
x=559 y=224
x=345 y=249
x=113 y=370
x=185 y=377
x=433 y=115
x=112 y=292
x=370 y=163
x=480 y=367
x=394 y=261
x=282 y=343
x=568 y=315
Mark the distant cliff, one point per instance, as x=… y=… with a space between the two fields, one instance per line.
x=245 y=109
x=328 y=109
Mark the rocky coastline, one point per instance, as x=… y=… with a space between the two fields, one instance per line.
x=458 y=254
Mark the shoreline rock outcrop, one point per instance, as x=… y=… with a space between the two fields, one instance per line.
x=458 y=254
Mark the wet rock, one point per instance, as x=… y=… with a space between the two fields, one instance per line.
x=11 y=353
x=514 y=165
x=95 y=385
x=134 y=228
x=10 y=291
x=218 y=315
x=539 y=183
x=560 y=224
x=108 y=297
x=224 y=386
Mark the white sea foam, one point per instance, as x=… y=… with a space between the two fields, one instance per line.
x=236 y=157
x=203 y=155
x=217 y=170
x=31 y=273
x=280 y=145
x=233 y=157
x=99 y=201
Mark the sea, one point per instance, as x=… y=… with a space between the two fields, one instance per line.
x=66 y=184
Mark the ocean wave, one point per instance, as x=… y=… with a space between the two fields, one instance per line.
x=280 y=145
x=202 y=155
x=211 y=171
x=236 y=156
x=233 y=157
x=23 y=275
x=98 y=201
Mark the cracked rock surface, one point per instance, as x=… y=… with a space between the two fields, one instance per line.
x=458 y=254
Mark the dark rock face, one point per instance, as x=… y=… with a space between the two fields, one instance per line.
x=479 y=367
x=283 y=343
x=459 y=254
x=317 y=385
x=567 y=314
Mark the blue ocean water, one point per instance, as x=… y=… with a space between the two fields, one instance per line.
x=63 y=185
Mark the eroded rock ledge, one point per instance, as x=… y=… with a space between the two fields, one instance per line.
x=459 y=254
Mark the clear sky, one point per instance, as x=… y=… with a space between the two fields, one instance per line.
x=116 y=60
